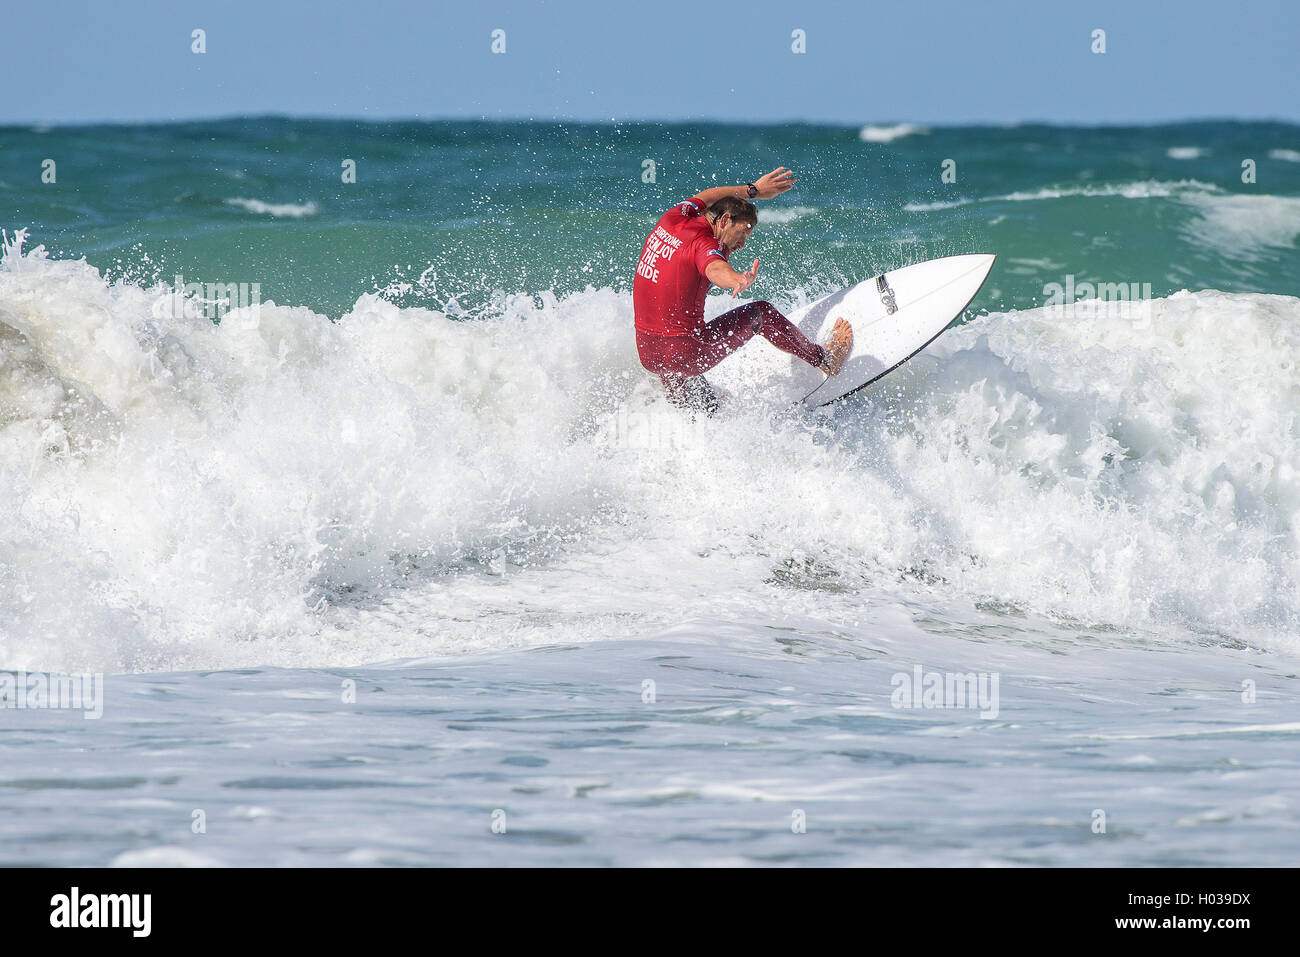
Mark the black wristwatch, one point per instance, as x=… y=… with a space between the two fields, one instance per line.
x=753 y=190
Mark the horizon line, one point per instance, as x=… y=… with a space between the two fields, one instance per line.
x=920 y=125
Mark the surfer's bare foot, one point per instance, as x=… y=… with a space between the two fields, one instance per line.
x=837 y=347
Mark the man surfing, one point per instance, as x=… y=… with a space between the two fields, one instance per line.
x=685 y=254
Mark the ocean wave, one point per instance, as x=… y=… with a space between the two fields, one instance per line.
x=1290 y=156
x=1245 y=226
x=1142 y=189
x=783 y=214
x=1185 y=152
x=939 y=204
x=278 y=210
x=889 y=133
x=281 y=488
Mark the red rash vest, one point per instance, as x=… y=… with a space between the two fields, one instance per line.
x=669 y=289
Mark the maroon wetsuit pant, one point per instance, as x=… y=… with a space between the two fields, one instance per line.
x=681 y=361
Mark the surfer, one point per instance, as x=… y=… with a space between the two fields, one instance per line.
x=685 y=254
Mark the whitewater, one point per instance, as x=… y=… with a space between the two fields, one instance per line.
x=365 y=586
x=191 y=494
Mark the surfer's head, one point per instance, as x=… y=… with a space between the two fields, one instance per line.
x=733 y=219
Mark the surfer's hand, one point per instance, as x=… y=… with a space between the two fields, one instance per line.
x=744 y=280
x=774 y=183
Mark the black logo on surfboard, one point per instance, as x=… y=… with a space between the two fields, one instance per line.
x=886 y=295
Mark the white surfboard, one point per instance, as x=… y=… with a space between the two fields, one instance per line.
x=894 y=316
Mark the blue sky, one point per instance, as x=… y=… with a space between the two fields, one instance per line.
x=921 y=61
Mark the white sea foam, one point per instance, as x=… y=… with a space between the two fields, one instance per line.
x=1142 y=189
x=278 y=210
x=938 y=204
x=1290 y=156
x=1185 y=152
x=167 y=856
x=888 y=133
x=1244 y=226
x=783 y=214
x=285 y=489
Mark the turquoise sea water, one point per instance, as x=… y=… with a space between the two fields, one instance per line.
x=535 y=207
x=417 y=541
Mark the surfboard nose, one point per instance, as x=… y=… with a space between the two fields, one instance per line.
x=981 y=263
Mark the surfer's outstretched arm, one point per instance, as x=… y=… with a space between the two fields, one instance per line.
x=722 y=275
x=773 y=184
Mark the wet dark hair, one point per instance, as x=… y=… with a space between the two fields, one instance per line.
x=741 y=210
